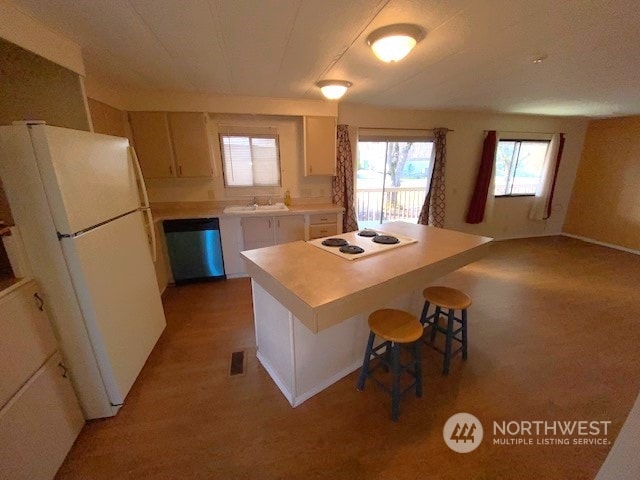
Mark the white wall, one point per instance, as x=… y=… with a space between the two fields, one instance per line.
x=510 y=214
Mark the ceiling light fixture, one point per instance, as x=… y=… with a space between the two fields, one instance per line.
x=333 y=89
x=394 y=42
x=540 y=58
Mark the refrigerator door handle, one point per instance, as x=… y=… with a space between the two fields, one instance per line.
x=138 y=169
x=152 y=232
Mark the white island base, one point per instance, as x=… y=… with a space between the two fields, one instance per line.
x=303 y=363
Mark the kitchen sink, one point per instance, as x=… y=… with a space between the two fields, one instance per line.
x=255 y=208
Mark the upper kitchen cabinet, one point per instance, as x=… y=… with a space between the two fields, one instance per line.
x=172 y=144
x=152 y=141
x=191 y=146
x=106 y=119
x=319 y=145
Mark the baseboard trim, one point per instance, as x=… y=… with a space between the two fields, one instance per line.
x=330 y=381
x=276 y=378
x=298 y=400
x=520 y=237
x=602 y=244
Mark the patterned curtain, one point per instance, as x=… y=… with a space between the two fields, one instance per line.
x=342 y=191
x=432 y=212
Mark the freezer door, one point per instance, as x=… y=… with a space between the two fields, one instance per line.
x=89 y=178
x=115 y=284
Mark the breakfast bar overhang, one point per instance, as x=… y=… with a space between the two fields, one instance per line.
x=311 y=307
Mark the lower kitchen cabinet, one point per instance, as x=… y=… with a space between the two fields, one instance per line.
x=40 y=417
x=232 y=245
x=289 y=228
x=26 y=338
x=39 y=425
x=324 y=225
x=261 y=232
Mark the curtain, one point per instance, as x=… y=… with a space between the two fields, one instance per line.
x=432 y=212
x=342 y=187
x=478 y=203
x=541 y=208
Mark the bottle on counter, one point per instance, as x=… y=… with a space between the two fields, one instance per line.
x=287 y=198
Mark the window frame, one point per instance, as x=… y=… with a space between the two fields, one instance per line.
x=519 y=141
x=240 y=132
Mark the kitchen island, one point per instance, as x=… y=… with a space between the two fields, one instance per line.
x=311 y=306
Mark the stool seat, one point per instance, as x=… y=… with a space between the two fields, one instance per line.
x=446 y=297
x=395 y=325
x=399 y=330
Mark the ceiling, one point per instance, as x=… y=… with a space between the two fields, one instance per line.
x=477 y=55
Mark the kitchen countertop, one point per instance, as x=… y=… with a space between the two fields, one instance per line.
x=202 y=210
x=322 y=289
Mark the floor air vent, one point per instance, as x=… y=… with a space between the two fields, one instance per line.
x=237 y=364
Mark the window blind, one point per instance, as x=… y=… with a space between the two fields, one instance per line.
x=250 y=160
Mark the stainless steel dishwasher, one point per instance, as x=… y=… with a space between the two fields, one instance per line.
x=194 y=248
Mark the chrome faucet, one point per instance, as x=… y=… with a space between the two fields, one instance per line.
x=255 y=202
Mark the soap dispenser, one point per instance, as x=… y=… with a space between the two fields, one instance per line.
x=287 y=198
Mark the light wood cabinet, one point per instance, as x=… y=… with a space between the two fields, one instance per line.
x=232 y=245
x=106 y=119
x=172 y=144
x=152 y=141
x=324 y=225
x=191 y=146
x=257 y=232
x=39 y=425
x=40 y=417
x=319 y=145
x=289 y=228
x=26 y=338
x=261 y=232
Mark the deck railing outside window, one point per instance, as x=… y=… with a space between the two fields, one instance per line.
x=399 y=203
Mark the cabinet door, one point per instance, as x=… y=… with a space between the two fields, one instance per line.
x=257 y=232
x=191 y=147
x=231 y=239
x=320 y=145
x=39 y=425
x=106 y=119
x=26 y=338
x=289 y=228
x=152 y=143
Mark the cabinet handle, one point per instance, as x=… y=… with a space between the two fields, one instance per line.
x=39 y=301
x=180 y=169
x=278 y=223
x=170 y=170
x=64 y=369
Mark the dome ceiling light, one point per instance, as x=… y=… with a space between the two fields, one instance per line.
x=393 y=42
x=333 y=89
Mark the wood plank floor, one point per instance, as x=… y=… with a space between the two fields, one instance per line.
x=554 y=333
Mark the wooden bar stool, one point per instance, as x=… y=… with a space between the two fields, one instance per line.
x=397 y=329
x=449 y=299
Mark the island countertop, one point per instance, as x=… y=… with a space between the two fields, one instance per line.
x=321 y=289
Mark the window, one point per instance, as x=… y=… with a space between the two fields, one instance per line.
x=392 y=176
x=519 y=166
x=250 y=160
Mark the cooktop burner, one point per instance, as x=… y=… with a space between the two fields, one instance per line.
x=367 y=233
x=335 y=242
x=351 y=249
x=386 y=239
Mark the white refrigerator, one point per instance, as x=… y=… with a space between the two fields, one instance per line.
x=80 y=203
